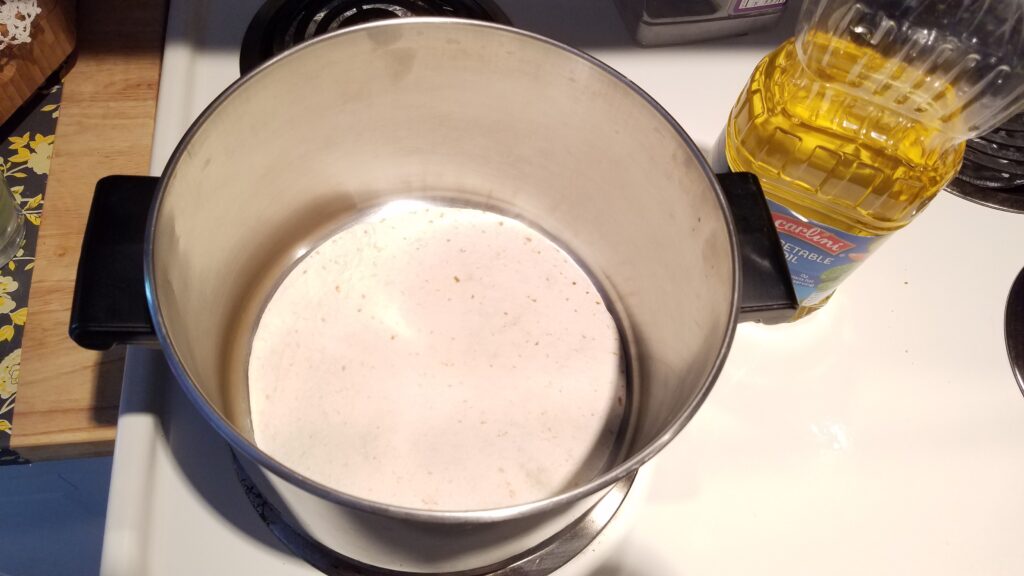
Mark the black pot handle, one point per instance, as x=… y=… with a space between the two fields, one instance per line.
x=109 y=305
x=766 y=292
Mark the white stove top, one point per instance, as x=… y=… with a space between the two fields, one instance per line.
x=881 y=435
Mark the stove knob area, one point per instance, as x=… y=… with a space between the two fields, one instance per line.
x=1015 y=329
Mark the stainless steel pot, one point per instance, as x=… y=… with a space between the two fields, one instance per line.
x=435 y=109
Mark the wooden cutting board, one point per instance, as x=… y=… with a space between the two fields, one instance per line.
x=68 y=397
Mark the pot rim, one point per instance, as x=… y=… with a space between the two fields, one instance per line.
x=267 y=462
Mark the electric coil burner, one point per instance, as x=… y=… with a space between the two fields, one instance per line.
x=281 y=24
x=992 y=173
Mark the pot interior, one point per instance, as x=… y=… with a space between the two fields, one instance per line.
x=463 y=112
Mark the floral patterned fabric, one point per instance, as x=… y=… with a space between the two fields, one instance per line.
x=25 y=154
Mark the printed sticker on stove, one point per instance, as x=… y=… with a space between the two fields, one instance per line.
x=756 y=5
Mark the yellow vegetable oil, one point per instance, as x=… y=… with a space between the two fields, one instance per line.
x=849 y=145
x=857 y=122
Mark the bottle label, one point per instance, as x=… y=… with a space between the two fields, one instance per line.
x=819 y=256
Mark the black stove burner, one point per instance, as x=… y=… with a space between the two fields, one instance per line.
x=992 y=173
x=281 y=24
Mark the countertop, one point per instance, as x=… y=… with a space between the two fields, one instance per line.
x=67 y=396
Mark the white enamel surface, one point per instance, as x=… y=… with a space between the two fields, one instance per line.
x=438 y=357
x=883 y=435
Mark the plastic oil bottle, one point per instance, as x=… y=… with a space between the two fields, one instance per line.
x=857 y=122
